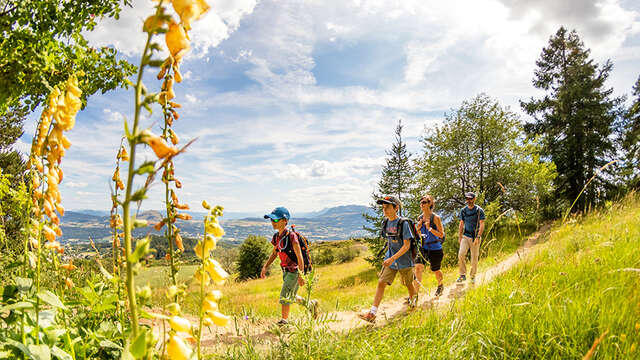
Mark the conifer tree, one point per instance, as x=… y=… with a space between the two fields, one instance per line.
x=631 y=140
x=396 y=179
x=575 y=117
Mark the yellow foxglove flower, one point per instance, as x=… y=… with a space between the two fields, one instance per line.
x=208 y=305
x=215 y=229
x=215 y=270
x=179 y=243
x=201 y=276
x=206 y=205
x=177 y=41
x=177 y=349
x=124 y=156
x=218 y=319
x=69 y=283
x=158 y=145
x=184 y=216
x=214 y=295
x=174 y=137
x=209 y=242
x=190 y=10
x=68 y=267
x=180 y=324
x=49 y=234
x=57 y=230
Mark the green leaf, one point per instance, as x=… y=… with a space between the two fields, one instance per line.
x=17 y=306
x=40 y=352
x=60 y=354
x=18 y=346
x=156 y=63
x=139 y=346
x=147 y=167
x=51 y=299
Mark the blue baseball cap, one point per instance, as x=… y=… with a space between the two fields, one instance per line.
x=278 y=213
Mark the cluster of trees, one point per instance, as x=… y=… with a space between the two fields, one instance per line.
x=578 y=134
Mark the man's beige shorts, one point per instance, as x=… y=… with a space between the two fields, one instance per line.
x=388 y=275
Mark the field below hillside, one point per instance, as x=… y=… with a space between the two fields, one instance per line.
x=575 y=296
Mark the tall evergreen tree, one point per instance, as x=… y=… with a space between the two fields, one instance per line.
x=631 y=140
x=396 y=179
x=575 y=117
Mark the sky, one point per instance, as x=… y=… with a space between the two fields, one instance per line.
x=294 y=102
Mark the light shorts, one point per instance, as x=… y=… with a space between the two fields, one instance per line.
x=289 y=287
x=388 y=275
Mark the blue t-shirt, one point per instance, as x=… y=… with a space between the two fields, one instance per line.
x=395 y=243
x=430 y=241
x=471 y=218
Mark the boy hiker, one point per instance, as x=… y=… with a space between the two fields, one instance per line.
x=469 y=236
x=397 y=259
x=283 y=241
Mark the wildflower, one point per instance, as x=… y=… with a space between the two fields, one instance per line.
x=215 y=229
x=218 y=318
x=177 y=349
x=177 y=41
x=174 y=308
x=178 y=183
x=123 y=155
x=214 y=295
x=201 y=251
x=209 y=242
x=179 y=243
x=159 y=225
x=173 y=136
x=180 y=324
x=152 y=24
x=190 y=10
x=181 y=206
x=184 y=216
x=218 y=274
x=49 y=234
x=201 y=276
x=33 y=242
x=54 y=246
x=208 y=305
x=69 y=283
x=206 y=205
x=68 y=267
x=59 y=208
x=158 y=145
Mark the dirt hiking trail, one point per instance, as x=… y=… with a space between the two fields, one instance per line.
x=344 y=321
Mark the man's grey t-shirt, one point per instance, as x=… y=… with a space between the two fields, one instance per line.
x=471 y=217
x=395 y=243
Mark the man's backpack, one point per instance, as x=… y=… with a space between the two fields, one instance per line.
x=434 y=227
x=304 y=248
x=415 y=237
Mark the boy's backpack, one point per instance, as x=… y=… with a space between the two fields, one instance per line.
x=304 y=249
x=415 y=237
x=434 y=227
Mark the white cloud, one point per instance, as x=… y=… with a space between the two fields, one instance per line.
x=72 y=184
x=191 y=99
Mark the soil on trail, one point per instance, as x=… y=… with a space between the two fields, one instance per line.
x=240 y=329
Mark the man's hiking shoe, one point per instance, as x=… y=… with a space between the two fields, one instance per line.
x=407 y=300
x=313 y=308
x=439 y=290
x=473 y=280
x=413 y=302
x=282 y=322
x=461 y=278
x=368 y=317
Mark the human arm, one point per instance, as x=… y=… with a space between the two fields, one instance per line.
x=405 y=246
x=272 y=257
x=440 y=230
x=480 y=231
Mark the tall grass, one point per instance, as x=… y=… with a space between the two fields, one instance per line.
x=582 y=283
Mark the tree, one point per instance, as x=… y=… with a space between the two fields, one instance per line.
x=396 y=179
x=253 y=253
x=42 y=45
x=575 y=117
x=481 y=147
x=631 y=140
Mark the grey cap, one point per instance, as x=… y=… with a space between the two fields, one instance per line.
x=469 y=195
x=389 y=199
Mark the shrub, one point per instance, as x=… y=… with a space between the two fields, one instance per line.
x=253 y=253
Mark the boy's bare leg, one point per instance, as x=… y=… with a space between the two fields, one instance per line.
x=379 y=293
x=285 y=311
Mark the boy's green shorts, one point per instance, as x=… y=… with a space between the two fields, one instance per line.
x=289 y=287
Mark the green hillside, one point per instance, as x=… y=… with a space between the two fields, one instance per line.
x=580 y=285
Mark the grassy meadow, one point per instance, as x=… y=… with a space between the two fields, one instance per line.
x=581 y=285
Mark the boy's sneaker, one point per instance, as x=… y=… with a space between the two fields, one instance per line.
x=282 y=322
x=461 y=278
x=439 y=290
x=313 y=308
x=368 y=317
x=413 y=302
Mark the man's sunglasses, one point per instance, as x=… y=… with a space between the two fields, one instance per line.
x=276 y=220
x=424 y=202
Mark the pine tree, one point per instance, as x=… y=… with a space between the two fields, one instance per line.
x=396 y=179
x=575 y=117
x=631 y=140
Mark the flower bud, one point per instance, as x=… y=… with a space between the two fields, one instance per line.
x=180 y=324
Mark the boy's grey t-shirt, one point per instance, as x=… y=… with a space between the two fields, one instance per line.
x=471 y=217
x=395 y=243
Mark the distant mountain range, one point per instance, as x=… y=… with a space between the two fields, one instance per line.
x=335 y=223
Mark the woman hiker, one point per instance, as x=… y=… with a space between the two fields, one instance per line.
x=432 y=234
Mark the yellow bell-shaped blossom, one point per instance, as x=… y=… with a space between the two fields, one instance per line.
x=218 y=274
x=180 y=324
x=214 y=295
x=190 y=10
x=49 y=234
x=177 y=41
x=214 y=229
x=218 y=318
x=177 y=349
x=158 y=145
x=201 y=276
x=208 y=305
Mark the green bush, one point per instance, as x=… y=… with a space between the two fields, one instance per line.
x=253 y=253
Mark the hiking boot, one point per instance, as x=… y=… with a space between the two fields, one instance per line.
x=368 y=317
x=313 y=308
x=282 y=322
x=461 y=278
x=439 y=290
x=407 y=300
x=413 y=302
x=473 y=280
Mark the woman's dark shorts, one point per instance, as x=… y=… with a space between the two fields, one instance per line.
x=433 y=256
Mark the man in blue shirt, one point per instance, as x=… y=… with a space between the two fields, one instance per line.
x=397 y=259
x=469 y=236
